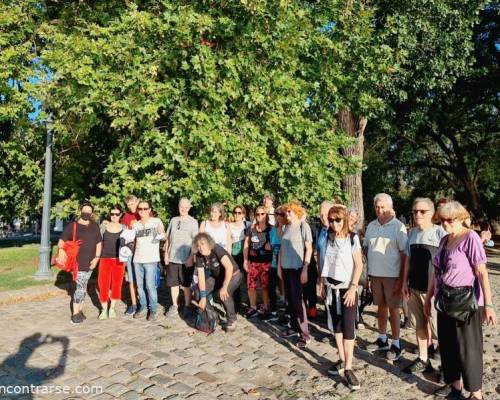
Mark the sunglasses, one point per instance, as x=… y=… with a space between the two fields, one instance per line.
x=143 y=208
x=115 y=214
x=336 y=220
x=178 y=225
x=237 y=212
x=259 y=214
x=280 y=214
x=447 y=220
x=423 y=212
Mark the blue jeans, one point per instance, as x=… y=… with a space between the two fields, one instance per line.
x=146 y=271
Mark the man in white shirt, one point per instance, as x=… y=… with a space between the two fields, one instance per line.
x=385 y=242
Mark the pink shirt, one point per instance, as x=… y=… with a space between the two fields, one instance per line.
x=460 y=263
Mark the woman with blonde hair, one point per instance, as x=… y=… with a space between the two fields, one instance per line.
x=463 y=301
x=217 y=227
x=294 y=258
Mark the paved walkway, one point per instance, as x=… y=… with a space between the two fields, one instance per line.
x=135 y=359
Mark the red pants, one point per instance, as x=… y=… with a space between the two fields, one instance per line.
x=111 y=272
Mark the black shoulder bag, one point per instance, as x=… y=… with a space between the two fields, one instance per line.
x=456 y=302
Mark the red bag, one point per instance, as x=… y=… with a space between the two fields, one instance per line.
x=71 y=248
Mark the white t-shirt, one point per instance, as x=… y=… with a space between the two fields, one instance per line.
x=384 y=244
x=219 y=234
x=339 y=263
x=147 y=246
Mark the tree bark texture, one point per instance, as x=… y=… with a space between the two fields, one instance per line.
x=354 y=126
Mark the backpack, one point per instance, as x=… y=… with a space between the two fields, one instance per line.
x=363 y=279
x=206 y=320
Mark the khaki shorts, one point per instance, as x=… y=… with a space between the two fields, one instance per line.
x=383 y=295
x=416 y=307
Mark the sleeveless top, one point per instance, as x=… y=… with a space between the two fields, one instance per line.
x=110 y=244
x=219 y=234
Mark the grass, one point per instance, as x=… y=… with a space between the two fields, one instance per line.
x=18 y=265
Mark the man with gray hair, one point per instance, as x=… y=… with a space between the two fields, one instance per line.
x=178 y=258
x=384 y=243
x=422 y=246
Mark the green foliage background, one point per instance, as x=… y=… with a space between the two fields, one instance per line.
x=226 y=100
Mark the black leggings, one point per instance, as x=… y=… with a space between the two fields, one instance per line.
x=461 y=348
x=310 y=295
x=345 y=322
x=271 y=286
x=213 y=286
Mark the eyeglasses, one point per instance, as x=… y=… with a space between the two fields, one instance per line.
x=336 y=220
x=115 y=214
x=237 y=212
x=279 y=214
x=447 y=220
x=143 y=208
x=423 y=212
x=260 y=214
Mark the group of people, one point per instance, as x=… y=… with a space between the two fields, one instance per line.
x=439 y=261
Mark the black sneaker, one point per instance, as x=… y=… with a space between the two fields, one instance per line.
x=394 y=353
x=418 y=366
x=251 y=313
x=152 y=316
x=449 y=392
x=378 y=344
x=84 y=317
x=434 y=353
x=351 y=380
x=336 y=369
x=77 y=318
x=264 y=315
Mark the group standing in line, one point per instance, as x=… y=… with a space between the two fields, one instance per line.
x=222 y=261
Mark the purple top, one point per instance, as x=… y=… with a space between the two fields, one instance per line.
x=461 y=261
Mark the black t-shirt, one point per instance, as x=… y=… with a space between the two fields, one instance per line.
x=90 y=235
x=211 y=264
x=257 y=251
x=110 y=244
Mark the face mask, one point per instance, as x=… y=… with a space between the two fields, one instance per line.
x=85 y=216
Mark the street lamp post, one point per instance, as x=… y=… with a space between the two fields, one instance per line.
x=44 y=265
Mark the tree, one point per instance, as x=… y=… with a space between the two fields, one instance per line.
x=442 y=113
x=215 y=101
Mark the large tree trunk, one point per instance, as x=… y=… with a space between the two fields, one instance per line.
x=354 y=126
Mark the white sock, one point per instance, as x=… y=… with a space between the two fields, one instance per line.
x=395 y=342
x=423 y=359
x=383 y=336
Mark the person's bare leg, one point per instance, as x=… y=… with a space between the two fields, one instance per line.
x=174 y=291
x=339 y=340
x=187 y=295
x=395 y=326
x=348 y=352
x=422 y=341
x=133 y=296
x=252 y=296
x=265 y=298
x=382 y=319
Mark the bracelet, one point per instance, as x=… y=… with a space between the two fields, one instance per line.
x=489 y=306
x=203 y=293
x=354 y=284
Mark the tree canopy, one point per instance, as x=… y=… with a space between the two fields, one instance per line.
x=226 y=100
